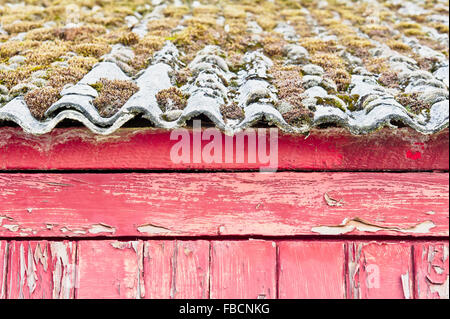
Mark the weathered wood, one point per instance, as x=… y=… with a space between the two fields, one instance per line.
x=192 y=204
x=110 y=269
x=176 y=269
x=380 y=270
x=432 y=270
x=144 y=148
x=3 y=267
x=311 y=270
x=41 y=270
x=243 y=269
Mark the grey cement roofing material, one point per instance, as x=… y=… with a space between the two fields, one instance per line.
x=253 y=91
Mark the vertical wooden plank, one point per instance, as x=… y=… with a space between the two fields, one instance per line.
x=311 y=270
x=158 y=268
x=432 y=270
x=176 y=269
x=110 y=269
x=3 y=267
x=380 y=271
x=243 y=269
x=41 y=270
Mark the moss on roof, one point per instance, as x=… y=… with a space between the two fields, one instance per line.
x=46 y=45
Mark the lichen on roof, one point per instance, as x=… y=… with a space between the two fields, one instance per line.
x=296 y=64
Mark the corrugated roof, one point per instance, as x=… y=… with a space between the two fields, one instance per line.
x=294 y=64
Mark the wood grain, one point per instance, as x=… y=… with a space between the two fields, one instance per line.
x=176 y=269
x=110 y=269
x=204 y=204
x=145 y=148
x=432 y=270
x=3 y=267
x=311 y=270
x=243 y=269
x=380 y=270
x=41 y=270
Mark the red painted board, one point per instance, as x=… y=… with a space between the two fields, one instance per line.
x=205 y=204
x=431 y=268
x=41 y=270
x=380 y=270
x=3 y=267
x=311 y=270
x=146 y=148
x=176 y=269
x=110 y=270
x=243 y=269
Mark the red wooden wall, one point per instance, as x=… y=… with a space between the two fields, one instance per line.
x=86 y=216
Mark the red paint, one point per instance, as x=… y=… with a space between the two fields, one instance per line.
x=3 y=267
x=432 y=270
x=328 y=149
x=110 y=269
x=311 y=270
x=193 y=204
x=243 y=269
x=176 y=269
x=179 y=204
x=41 y=270
x=413 y=155
x=375 y=271
x=232 y=269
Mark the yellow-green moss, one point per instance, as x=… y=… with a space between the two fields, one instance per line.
x=171 y=99
x=389 y=79
x=92 y=49
x=234 y=12
x=61 y=76
x=412 y=102
x=176 y=11
x=314 y=45
x=39 y=100
x=398 y=46
x=376 y=30
x=232 y=111
x=22 y=26
x=113 y=95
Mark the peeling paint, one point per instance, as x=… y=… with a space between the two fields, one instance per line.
x=12 y=228
x=101 y=228
x=6 y=218
x=64 y=269
x=152 y=229
x=405 y=286
x=349 y=225
x=441 y=290
x=331 y=201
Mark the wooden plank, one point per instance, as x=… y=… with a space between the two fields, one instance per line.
x=176 y=269
x=431 y=268
x=146 y=148
x=243 y=269
x=193 y=204
x=41 y=270
x=380 y=270
x=110 y=269
x=311 y=270
x=3 y=267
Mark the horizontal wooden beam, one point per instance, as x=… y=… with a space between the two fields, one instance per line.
x=149 y=149
x=218 y=204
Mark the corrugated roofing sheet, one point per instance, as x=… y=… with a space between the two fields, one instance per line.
x=295 y=64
